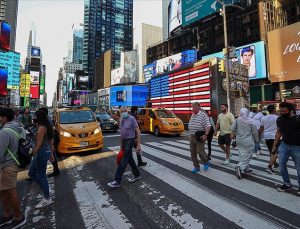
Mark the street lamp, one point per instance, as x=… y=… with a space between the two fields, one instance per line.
x=223 y=13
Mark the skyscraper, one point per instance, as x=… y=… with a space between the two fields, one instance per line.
x=8 y=13
x=77 y=46
x=107 y=25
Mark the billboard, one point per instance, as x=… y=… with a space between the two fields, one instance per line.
x=25 y=85
x=34 y=91
x=284 y=53
x=3 y=81
x=148 y=71
x=42 y=84
x=174 y=14
x=116 y=75
x=121 y=96
x=130 y=67
x=252 y=55
x=35 y=51
x=4 y=36
x=194 y=10
x=11 y=61
x=34 y=77
x=83 y=79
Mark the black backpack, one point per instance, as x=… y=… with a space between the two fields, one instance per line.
x=25 y=149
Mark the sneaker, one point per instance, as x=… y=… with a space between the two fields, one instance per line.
x=206 y=166
x=44 y=202
x=18 y=223
x=142 y=163
x=114 y=184
x=134 y=178
x=284 y=188
x=270 y=170
x=226 y=162
x=238 y=172
x=254 y=155
x=195 y=170
x=6 y=220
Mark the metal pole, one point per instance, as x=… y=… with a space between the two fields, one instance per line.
x=226 y=56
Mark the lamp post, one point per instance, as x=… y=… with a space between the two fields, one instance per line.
x=223 y=13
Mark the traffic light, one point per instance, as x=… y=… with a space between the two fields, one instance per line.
x=221 y=66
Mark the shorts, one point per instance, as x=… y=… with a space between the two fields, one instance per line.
x=269 y=143
x=224 y=139
x=8 y=177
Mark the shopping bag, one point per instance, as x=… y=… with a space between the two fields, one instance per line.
x=120 y=156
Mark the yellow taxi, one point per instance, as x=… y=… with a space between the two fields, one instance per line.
x=77 y=130
x=159 y=121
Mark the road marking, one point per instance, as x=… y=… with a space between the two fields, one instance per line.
x=118 y=135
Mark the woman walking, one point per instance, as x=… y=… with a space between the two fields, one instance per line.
x=42 y=152
x=246 y=136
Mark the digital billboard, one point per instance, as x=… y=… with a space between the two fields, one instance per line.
x=148 y=71
x=194 y=10
x=284 y=53
x=34 y=91
x=174 y=14
x=121 y=96
x=11 y=61
x=130 y=67
x=83 y=79
x=35 y=51
x=116 y=75
x=4 y=36
x=42 y=84
x=3 y=81
x=34 y=77
x=252 y=55
x=25 y=85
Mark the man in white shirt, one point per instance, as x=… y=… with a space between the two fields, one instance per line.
x=267 y=130
x=256 y=117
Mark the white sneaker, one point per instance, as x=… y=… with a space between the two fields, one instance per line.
x=254 y=155
x=226 y=162
x=44 y=202
x=134 y=178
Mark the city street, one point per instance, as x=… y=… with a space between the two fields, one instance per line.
x=167 y=196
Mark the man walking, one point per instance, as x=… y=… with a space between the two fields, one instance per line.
x=224 y=122
x=26 y=119
x=199 y=122
x=288 y=127
x=256 y=117
x=267 y=131
x=129 y=129
x=12 y=214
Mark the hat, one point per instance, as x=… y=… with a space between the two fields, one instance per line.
x=254 y=105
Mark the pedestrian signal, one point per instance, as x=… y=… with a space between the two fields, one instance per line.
x=221 y=66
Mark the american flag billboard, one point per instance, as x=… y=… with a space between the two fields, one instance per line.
x=178 y=90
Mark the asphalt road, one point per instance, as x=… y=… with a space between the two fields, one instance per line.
x=167 y=196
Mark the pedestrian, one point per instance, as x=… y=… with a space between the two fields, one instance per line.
x=246 y=135
x=224 y=122
x=267 y=131
x=210 y=135
x=199 y=122
x=54 y=163
x=18 y=116
x=288 y=128
x=9 y=169
x=256 y=116
x=42 y=152
x=133 y=112
x=26 y=119
x=129 y=129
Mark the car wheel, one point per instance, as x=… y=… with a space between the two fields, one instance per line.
x=156 y=131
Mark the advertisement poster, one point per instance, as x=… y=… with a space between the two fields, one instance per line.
x=168 y=64
x=42 y=84
x=34 y=91
x=284 y=53
x=116 y=75
x=148 y=71
x=34 y=77
x=11 y=61
x=35 y=51
x=25 y=85
x=4 y=36
x=130 y=67
x=253 y=56
x=175 y=14
x=121 y=96
x=3 y=81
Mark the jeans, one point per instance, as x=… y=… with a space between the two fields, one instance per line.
x=127 y=159
x=285 y=151
x=38 y=169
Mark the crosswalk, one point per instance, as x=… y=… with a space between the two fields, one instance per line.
x=168 y=195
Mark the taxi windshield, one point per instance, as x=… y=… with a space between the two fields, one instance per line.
x=68 y=117
x=165 y=114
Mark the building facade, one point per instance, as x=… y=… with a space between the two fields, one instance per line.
x=77 y=46
x=107 y=25
x=9 y=13
x=71 y=68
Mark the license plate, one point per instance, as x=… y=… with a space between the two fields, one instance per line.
x=84 y=143
x=107 y=128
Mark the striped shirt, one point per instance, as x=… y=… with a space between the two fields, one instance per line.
x=198 y=122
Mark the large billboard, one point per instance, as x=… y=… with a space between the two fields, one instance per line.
x=35 y=51
x=25 y=85
x=4 y=36
x=11 y=61
x=174 y=14
x=130 y=67
x=284 y=53
x=3 y=81
x=194 y=10
x=252 y=55
x=34 y=77
x=34 y=91
x=116 y=75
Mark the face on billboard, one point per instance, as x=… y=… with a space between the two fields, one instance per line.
x=247 y=58
x=3 y=81
x=168 y=64
x=4 y=36
x=116 y=76
x=175 y=14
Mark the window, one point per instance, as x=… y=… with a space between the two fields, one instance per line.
x=119 y=18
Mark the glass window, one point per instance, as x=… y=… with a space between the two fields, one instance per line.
x=69 y=117
x=119 y=18
x=165 y=114
x=120 y=4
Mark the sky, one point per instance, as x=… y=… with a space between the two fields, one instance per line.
x=53 y=20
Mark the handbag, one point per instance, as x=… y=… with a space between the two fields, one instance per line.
x=199 y=134
x=120 y=156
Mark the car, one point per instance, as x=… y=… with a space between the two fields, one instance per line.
x=77 y=130
x=107 y=123
x=159 y=121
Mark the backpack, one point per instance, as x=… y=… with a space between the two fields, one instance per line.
x=24 y=153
